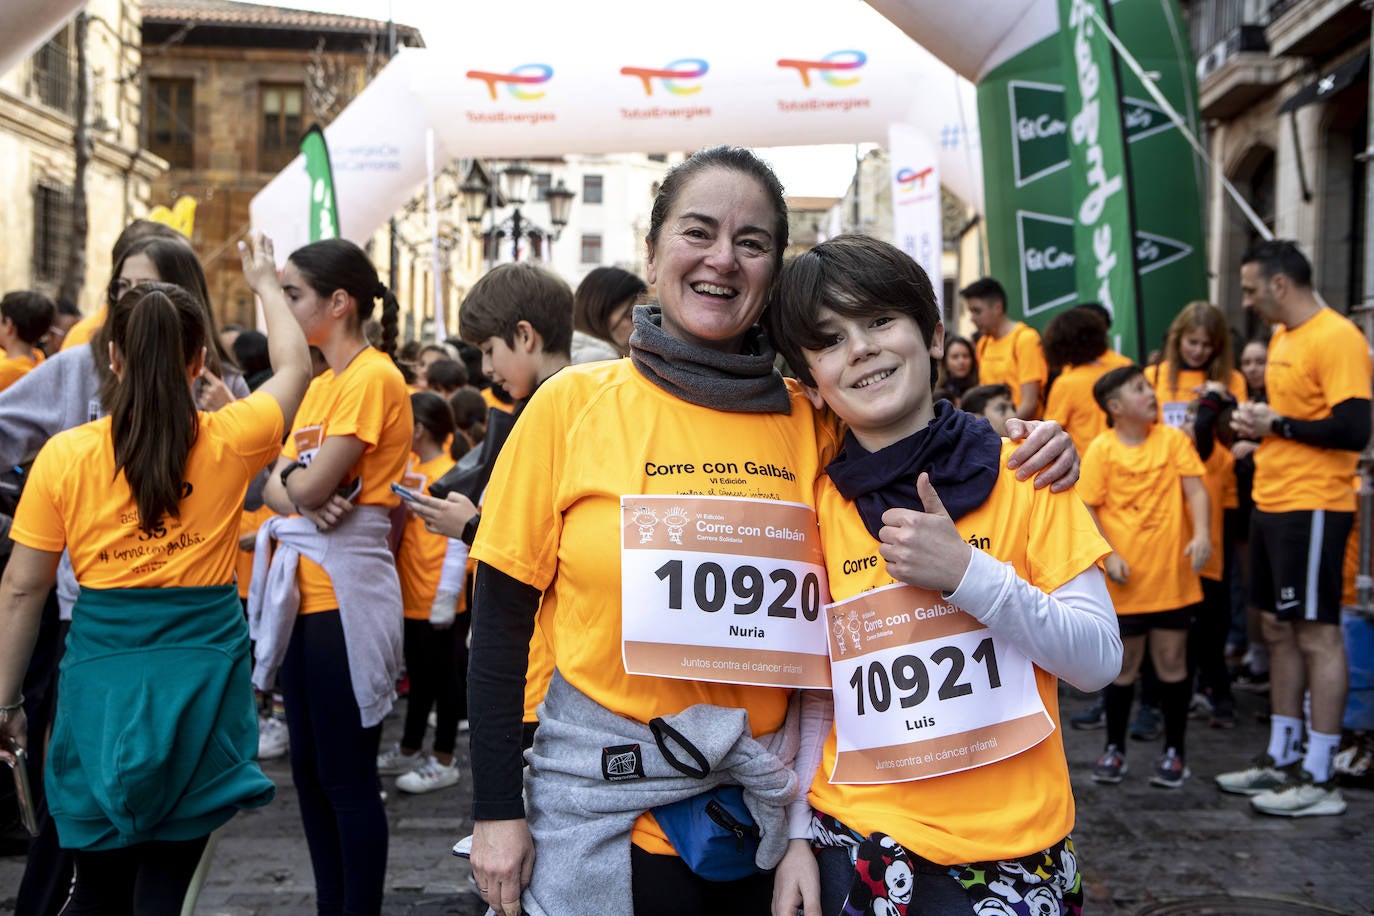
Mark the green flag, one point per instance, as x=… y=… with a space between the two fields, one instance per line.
x=324 y=216
x=1114 y=216
x=1100 y=204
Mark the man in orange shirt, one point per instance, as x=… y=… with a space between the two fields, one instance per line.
x=1310 y=434
x=1008 y=351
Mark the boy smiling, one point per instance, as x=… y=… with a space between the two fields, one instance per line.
x=918 y=484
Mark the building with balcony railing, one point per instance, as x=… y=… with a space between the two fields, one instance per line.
x=1284 y=97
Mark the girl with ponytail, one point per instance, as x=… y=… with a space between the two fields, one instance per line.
x=328 y=611
x=155 y=737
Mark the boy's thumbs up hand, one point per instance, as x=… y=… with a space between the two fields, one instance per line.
x=924 y=549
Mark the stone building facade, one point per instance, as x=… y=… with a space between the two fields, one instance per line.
x=229 y=88
x=39 y=121
x=1284 y=93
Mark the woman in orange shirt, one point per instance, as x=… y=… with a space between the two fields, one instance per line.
x=1197 y=354
x=328 y=611
x=155 y=739
x=432 y=569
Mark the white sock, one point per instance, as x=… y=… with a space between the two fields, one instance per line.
x=1321 y=751
x=1285 y=739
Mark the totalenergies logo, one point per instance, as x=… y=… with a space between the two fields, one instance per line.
x=909 y=180
x=831 y=67
x=523 y=75
x=671 y=75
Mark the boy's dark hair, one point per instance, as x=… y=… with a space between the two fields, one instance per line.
x=31 y=312
x=1074 y=337
x=976 y=399
x=986 y=288
x=512 y=293
x=855 y=276
x=448 y=374
x=1106 y=387
x=68 y=307
x=1279 y=256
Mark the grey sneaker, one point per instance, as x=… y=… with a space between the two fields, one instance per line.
x=1111 y=766
x=429 y=777
x=1170 y=771
x=1263 y=775
x=1301 y=797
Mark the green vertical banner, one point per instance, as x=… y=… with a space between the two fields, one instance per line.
x=1100 y=205
x=324 y=216
x=1077 y=161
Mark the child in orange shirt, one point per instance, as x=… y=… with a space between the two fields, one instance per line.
x=1136 y=479
x=24 y=318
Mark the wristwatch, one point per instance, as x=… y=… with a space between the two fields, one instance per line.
x=1281 y=427
x=470 y=530
x=290 y=469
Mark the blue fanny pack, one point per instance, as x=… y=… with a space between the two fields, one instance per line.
x=713 y=831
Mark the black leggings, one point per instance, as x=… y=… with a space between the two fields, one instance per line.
x=149 y=879
x=334 y=768
x=436 y=661
x=665 y=886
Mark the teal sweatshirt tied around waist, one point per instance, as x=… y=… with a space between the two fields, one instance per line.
x=156 y=732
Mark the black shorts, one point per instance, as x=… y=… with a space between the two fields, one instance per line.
x=1140 y=624
x=1296 y=563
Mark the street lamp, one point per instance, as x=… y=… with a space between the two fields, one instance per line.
x=516 y=182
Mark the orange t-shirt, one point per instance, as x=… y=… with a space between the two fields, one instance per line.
x=1222 y=494
x=552 y=518
x=368 y=401
x=85 y=329
x=13 y=368
x=249 y=523
x=1072 y=405
x=1173 y=402
x=1138 y=494
x=1311 y=368
x=1014 y=359
x=420 y=560
x=73 y=499
x=1010 y=808
x=493 y=401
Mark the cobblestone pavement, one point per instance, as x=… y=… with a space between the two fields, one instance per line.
x=1144 y=851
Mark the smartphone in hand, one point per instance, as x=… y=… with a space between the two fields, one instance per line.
x=405 y=493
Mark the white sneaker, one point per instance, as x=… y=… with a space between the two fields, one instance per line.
x=1301 y=797
x=430 y=776
x=273 y=738
x=394 y=762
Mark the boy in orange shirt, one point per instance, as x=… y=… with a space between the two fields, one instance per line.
x=917 y=515
x=1136 y=478
x=24 y=318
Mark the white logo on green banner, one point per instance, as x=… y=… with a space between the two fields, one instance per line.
x=1047 y=259
x=1037 y=128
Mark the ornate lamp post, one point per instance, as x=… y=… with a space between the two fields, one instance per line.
x=515 y=182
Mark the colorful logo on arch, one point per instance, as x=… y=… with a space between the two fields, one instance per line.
x=516 y=81
x=909 y=180
x=834 y=68
x=672 y=76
